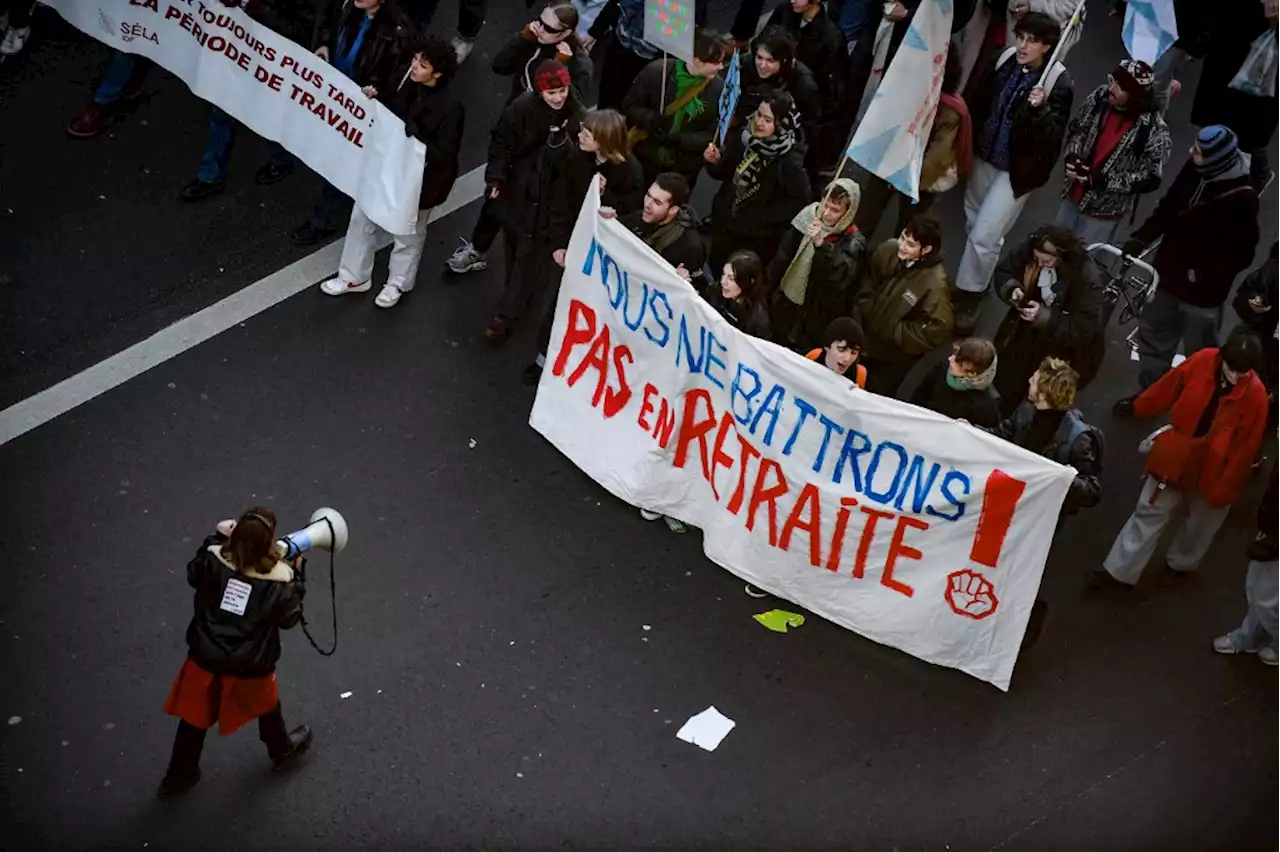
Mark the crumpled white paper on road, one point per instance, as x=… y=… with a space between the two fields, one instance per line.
x=707 y=729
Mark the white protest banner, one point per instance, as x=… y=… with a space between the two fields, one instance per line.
x=668 y=26
x=909 y=528
x=891 y=138
x=276 y=88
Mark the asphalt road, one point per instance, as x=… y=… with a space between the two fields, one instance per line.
x=520 y=646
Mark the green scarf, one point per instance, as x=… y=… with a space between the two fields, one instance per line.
x=795 y=281
x=691 y=109
x=978 y=382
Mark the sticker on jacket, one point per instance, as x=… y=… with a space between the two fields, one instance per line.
x=236 y=597
x=910 y=298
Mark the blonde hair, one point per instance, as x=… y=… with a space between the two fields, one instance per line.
x=610 y=131
x=1056 y=381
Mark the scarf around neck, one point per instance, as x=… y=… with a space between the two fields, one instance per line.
x=760 y=153
x=977 y=382
x=795 y=282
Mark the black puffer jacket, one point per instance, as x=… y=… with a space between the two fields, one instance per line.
x=662 y=150
x=529 y=151
x=820 y=46
x=1037 y=131
x=520 y=56
x=293 y=19
x=384 y=46
x=224 y=642
x=803 y=89
x=833 y=277
x=435 y=117
x=784 y=189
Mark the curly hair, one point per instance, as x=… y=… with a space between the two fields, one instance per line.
x=1056 y=381
x=439 y=53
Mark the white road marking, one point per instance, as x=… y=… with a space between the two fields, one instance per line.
x=35 y=411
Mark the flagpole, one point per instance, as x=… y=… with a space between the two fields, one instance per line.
x=662 y=101
x=1072 y=23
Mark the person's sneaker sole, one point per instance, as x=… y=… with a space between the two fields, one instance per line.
x=329 y=289
x=472 y=266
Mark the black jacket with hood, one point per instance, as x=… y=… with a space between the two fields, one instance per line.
x=662 y=150
x=384 y=46
x=434 y=116
x=520 y=56
x=529 y=151
x=833 y=278
x=219 y=639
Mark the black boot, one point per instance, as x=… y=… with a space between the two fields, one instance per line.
x=173 y=786
x=299 y=742
x=966 y=308
x=1124 y=407
x=184 y=765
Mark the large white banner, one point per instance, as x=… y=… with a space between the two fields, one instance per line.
x=276 y=88
x=912 y=529
x=891 y=138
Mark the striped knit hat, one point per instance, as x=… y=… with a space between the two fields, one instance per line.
x=1218 y=148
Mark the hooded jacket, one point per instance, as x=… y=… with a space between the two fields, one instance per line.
x=1037 y=131
x=1216 y=465
x=385 y=43
x=905 y=310
x=1135 y=165
x=1069 y=327
x=662 y=149
x=435 y=117
x=233 y=635
x=529 y=150
x=1210 y=231
x=520 y=56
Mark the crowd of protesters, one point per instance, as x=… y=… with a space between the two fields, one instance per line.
x=785 y=250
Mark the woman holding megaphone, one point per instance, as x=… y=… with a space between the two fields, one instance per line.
x=244 y=595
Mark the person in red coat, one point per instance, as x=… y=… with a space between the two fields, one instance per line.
x=1199 y=465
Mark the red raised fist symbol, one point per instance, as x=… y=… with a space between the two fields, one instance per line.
x=970 y=594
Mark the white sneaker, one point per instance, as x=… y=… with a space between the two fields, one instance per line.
x=650 y=516
x=338 y=287
x=465 y=258
x=389 y=296
x=1268 y=656
x=14 y=40
x=462 y=47
x=1227 y=645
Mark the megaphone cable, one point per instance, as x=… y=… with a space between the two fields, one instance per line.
x=333 y=600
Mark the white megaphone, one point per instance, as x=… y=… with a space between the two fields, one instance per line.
x=327 y=531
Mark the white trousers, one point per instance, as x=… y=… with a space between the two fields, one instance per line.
x=989 y=212
x=1136 y=543
x=363 y=236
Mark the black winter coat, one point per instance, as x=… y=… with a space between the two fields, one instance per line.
x=979 y=407
x=1206 y=245
x=222 y=642
x=435 y=117
x=529 y=151
x=803 y=89
x=623 y=191
x=293 y=19
x=384 y=47
x=1231 y=32
x=784 y=189
x=1262 y=283
x=820 y=46
x=663 y=150
x=833 y=277
x=1037 y=131
x=1083 y=454
x=1071 y=328
x=753 y=321
x=519 y=59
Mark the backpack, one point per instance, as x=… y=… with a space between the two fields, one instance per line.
x=1071 y=430
x=1048 y=79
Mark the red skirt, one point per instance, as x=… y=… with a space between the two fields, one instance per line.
x=200 y=698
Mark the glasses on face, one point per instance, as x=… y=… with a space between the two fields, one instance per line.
x=552 y=29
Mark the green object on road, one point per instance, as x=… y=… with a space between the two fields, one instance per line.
x=778 y=620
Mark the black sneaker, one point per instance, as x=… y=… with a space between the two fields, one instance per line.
x=174 y=785
x=308 y=234
x=1171 y=576
x=199 y=190
x=1124 y=407
x=1101 y=579
x=299 y=742
x=532 y=374
x=272 y=172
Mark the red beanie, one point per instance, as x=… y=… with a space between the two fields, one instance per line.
x=550 y=75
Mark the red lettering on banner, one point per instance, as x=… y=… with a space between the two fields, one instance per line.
x=719 y=458
x=896 y=549
x=837 y=538
x=746 y=452
x=580 y=329
x=809 y=501
x=646 y=406
x=998 y=503
x=146 y=4
x=692 y=429
x=868 y=533
x=767 y=494
x=666 y=425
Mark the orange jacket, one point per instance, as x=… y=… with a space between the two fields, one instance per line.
x=1216 y=465
x=860 y=372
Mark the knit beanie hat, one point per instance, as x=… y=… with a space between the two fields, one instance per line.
x=1219 y=149
x=550 y=75
x=1134 y=77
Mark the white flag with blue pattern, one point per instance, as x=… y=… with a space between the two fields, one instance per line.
x=1150 y=29
x=892 y=137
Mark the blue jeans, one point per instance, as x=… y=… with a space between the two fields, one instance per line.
x=217 y=148
x=1087 y=228
x=1258 y=630
x=117 y=75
